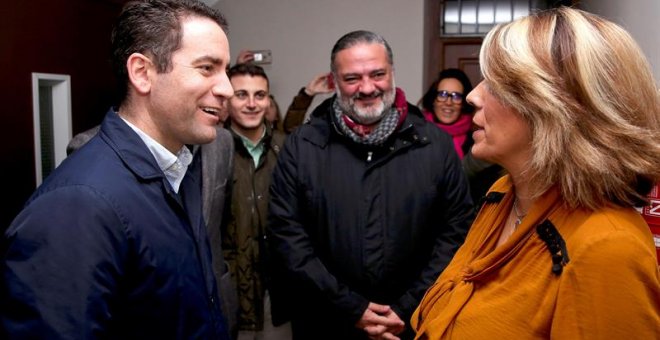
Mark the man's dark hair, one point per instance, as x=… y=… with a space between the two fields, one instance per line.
x=153 y=28
x=247 y=69
x=432 y=92
x=359 y=37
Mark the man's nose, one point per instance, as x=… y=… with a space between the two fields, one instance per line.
x=251 y=102
x=222 y=87
x=367 y=87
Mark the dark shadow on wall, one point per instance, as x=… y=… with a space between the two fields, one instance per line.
x=69 y=37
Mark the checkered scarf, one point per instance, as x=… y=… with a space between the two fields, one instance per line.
x=378 y=134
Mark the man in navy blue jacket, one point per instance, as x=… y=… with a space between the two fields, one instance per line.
x=113 y=244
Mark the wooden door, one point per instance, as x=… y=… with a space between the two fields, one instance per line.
x=459 y=52
x=462 y=54
x=447 y=52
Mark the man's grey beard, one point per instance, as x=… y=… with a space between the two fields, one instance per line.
x=369 y=115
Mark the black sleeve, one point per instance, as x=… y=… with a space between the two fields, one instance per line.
x=295 y=114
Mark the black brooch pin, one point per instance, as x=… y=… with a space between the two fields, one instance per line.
x=556 y=245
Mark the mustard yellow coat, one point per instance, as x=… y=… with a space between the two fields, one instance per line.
x=609 y=289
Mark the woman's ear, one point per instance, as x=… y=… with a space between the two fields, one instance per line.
x=140 y=69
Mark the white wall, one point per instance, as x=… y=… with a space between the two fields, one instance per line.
x=301 y=34
x=640 y=18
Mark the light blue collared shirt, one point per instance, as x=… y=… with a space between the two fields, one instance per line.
x=255 y=150
x=173 y=166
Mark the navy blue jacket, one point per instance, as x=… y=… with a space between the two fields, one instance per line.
x=106 y=249
x=352 y=224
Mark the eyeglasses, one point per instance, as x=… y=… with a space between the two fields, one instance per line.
x=456 y=97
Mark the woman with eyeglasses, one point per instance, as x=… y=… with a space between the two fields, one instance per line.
x=444 y=104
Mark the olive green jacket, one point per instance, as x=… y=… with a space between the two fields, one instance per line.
x=243 y=242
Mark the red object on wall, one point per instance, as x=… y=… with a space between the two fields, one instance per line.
x=651 y=214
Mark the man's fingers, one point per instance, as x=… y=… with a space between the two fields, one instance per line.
x=378 y=309
x=372 y=318
x=375 y=330
x=383 y=321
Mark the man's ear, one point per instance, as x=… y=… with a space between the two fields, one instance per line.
x=140 y=70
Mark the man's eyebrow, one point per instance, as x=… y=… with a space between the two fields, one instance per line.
x=351 y=74
x=208 y=59
x=359 y=74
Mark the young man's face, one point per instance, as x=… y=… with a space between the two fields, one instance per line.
x=365 y=82
x=250 y=102
x=185 y=103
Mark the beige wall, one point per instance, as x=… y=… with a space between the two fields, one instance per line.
x=640 y=18
x=301 y=34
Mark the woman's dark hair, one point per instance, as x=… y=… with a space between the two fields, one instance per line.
x=432 y=92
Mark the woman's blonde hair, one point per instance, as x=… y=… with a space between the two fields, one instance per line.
x=589 y=97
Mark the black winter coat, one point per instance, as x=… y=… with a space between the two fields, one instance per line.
x=352 y=224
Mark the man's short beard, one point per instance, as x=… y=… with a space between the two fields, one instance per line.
x=369 y=115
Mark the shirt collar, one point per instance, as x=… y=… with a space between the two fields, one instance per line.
x=173 y=166
x=254 y=149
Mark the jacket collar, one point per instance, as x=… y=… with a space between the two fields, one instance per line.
x=129 y=147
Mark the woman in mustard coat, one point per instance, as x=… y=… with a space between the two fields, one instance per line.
x=570 y=109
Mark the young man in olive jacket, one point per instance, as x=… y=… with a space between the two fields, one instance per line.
x=256 y=146
x=368 y=203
